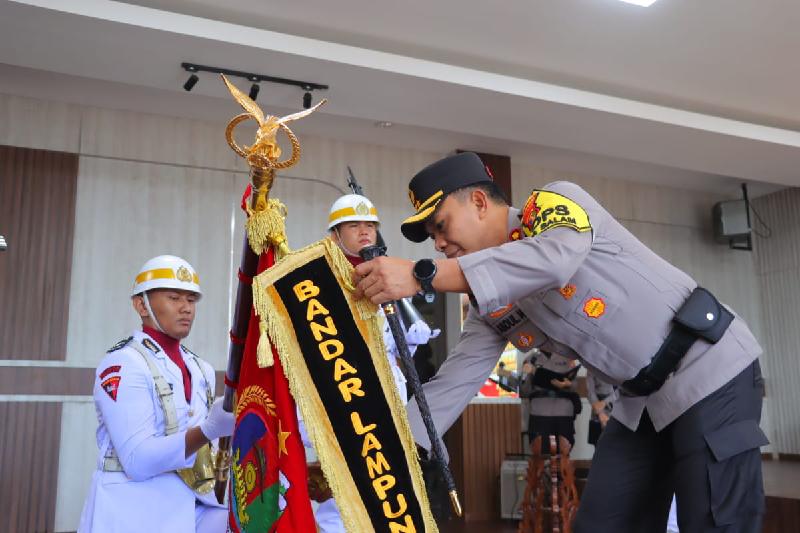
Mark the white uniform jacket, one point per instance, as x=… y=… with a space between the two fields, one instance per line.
x=148 y=495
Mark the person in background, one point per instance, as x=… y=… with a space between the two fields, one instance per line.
x=552 y=406
x=601 y=398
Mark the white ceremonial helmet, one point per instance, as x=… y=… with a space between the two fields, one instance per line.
x=166 y=272
x=352 y=207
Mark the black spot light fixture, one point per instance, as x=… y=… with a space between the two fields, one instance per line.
x=254 y=91
x=255 y=79
x=190 y=83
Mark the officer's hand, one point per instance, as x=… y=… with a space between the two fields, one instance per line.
x=385 y=279
x=603 y=419
x=561 y=383
x=527 y=367
x=218 y=422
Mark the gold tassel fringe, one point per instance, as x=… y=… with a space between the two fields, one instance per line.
x=268 y=228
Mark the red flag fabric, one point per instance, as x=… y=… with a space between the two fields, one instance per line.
x=269 y=485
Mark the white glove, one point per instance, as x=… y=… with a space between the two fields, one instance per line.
x=218 y=422
x=420 y=333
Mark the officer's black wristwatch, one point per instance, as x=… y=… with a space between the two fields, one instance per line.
x=424 y=272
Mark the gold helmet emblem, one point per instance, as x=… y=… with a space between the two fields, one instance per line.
x=362 y=209
x=183 y=274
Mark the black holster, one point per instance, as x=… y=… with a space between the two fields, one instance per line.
x=700 y=317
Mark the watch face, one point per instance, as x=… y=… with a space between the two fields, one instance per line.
x=424 y=268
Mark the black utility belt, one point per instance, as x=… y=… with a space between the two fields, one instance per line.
x=552 y=394
x=700 y=317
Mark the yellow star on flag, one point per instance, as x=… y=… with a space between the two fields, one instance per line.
x=282 y=436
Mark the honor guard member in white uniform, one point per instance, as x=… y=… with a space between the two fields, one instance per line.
x=564 y=275
x=157 y=414
x=353 y=224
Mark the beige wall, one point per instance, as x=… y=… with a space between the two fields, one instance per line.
x=154 y=184
x=778 y=266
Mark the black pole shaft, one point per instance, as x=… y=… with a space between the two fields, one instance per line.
x=391 y=311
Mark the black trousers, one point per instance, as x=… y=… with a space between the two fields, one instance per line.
x=708 y=457
x=551 y=425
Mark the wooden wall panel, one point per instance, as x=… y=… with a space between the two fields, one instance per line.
x=478 y=443
x=37 y=217
x=29 y=449
x=500 y=167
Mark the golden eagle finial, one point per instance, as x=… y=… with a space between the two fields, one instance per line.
x=264 y=152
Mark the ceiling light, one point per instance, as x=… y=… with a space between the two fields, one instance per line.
x=256 y=79
x=643 y=3
x=254 y=91
x=190 y=82
x=384 y=124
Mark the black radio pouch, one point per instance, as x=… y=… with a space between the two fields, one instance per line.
x=700 y=317
x=703 y=315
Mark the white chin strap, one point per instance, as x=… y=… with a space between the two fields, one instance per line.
x=342 y=246
x=151 y=313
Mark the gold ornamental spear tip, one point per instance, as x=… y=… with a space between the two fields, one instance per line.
x=263 y=155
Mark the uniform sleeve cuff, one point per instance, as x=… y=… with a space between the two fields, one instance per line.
x=482 y=284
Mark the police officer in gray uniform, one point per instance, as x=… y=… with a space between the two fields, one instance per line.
x=601 y=400
x=553 y=402
x=564 y=275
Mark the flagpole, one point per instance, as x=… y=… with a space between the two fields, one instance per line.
x=264 y=229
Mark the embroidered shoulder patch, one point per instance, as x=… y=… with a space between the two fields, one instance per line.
x=150 y=345
x=546 y=210
x=111 y=386
x=121 y=344
x=110 y=370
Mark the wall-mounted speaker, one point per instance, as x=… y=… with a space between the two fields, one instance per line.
x=730 y=221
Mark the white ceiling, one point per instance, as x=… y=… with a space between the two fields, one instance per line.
x=685 y=93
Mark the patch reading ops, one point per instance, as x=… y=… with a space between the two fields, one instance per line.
x=546 y=210
x=340 y=365
x=594 y=307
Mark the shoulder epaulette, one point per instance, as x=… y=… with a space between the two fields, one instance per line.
x=187 y=350
x=121 y=344
x=150 y=345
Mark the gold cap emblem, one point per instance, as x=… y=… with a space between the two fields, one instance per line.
x=362 y=209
